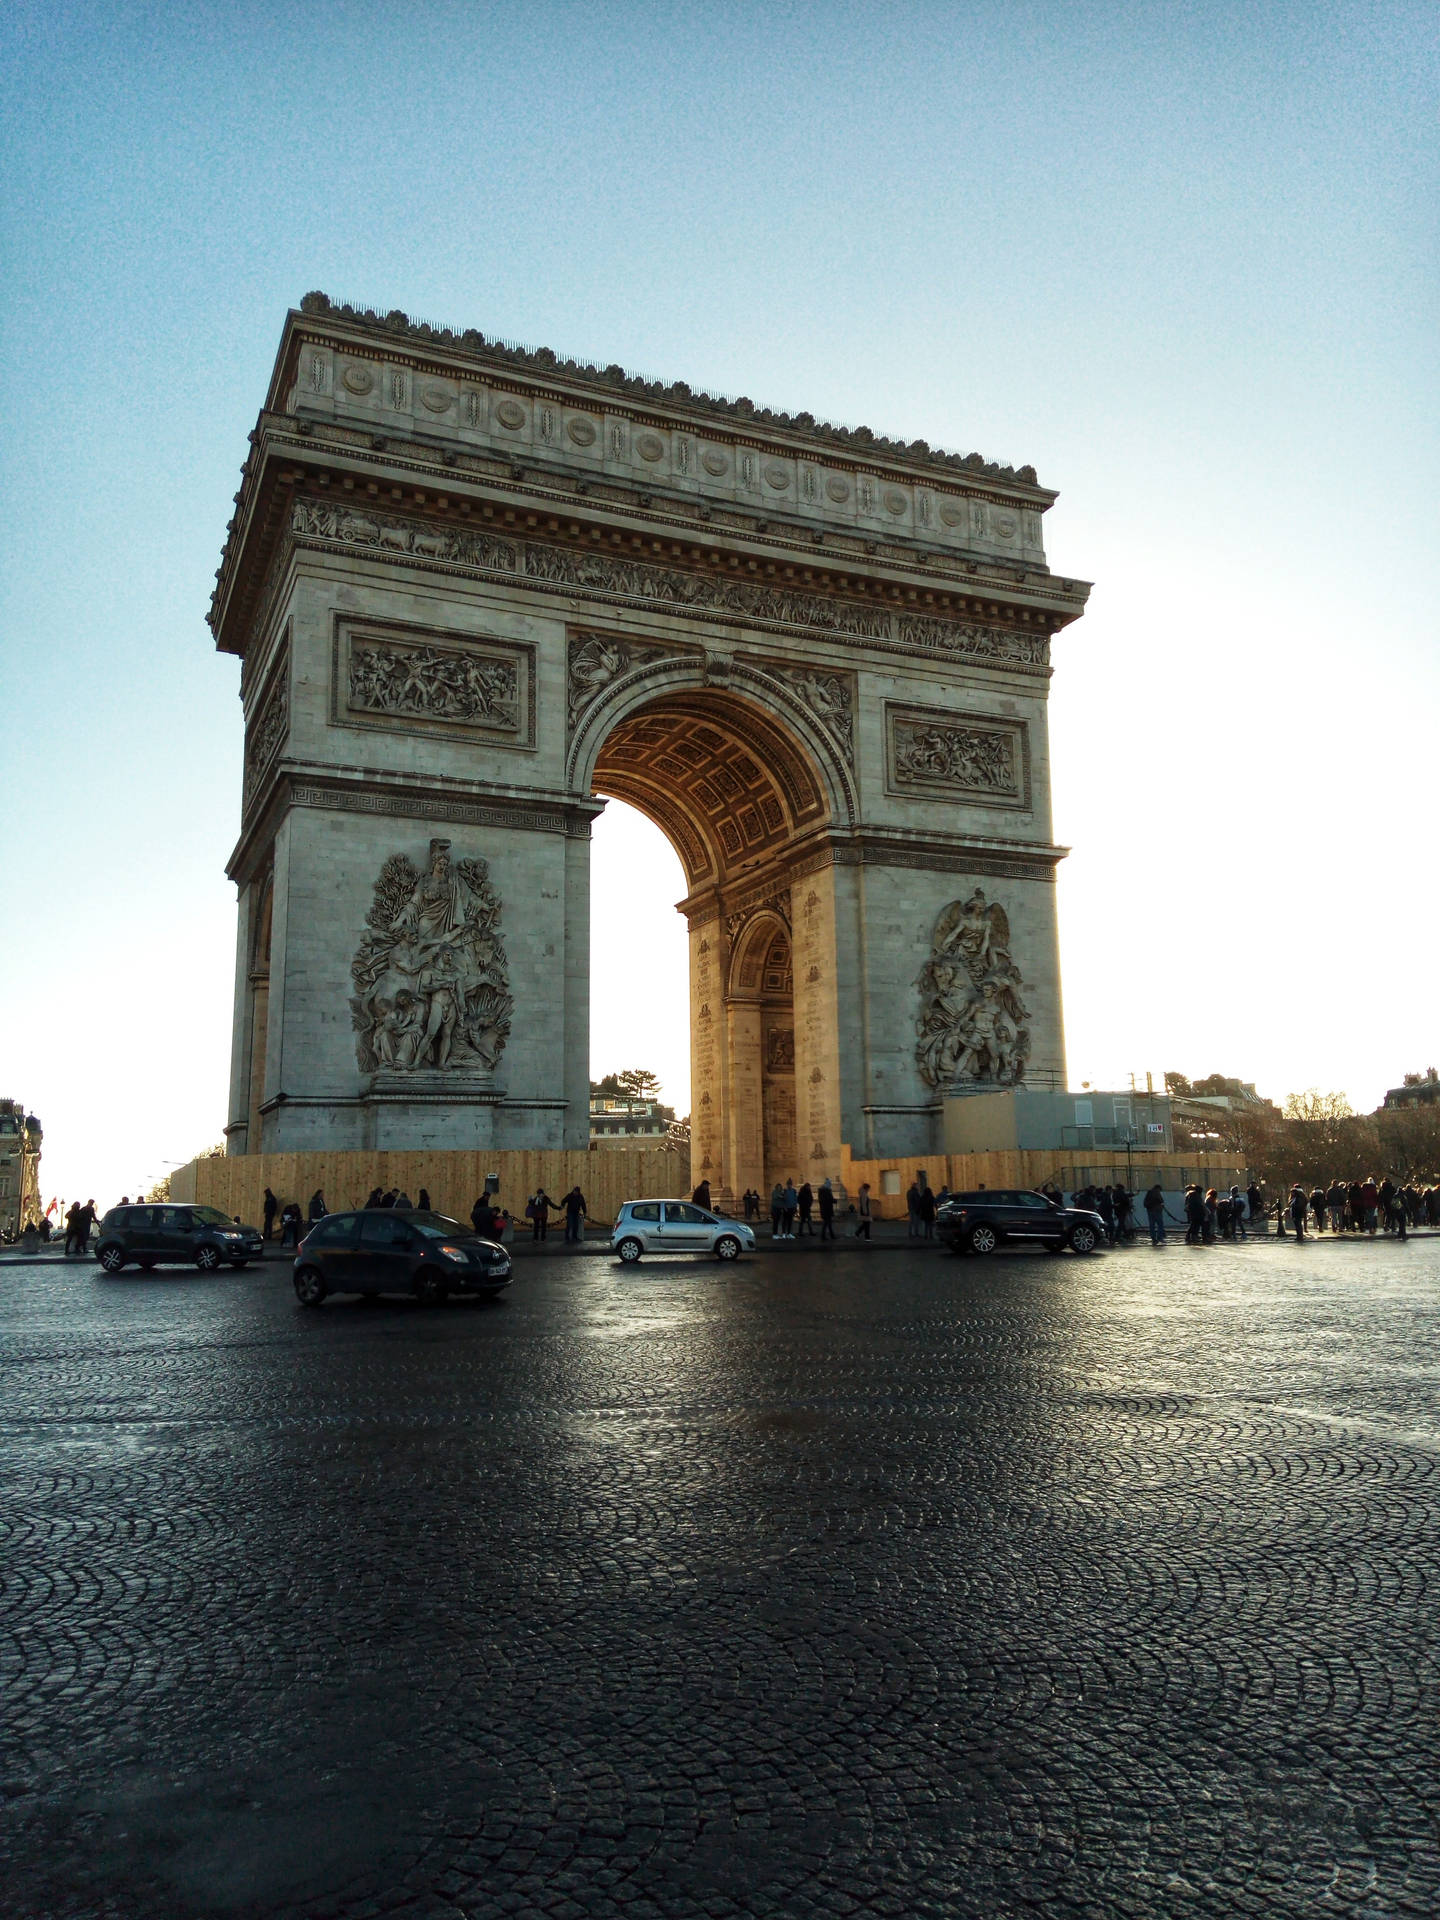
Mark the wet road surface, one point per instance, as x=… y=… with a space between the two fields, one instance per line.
x=847 y=1581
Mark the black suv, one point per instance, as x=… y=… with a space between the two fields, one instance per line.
x=186 y=1236
x=978 y=1222
x=382 y=1250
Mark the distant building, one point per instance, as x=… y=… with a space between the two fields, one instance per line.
x=1418 y=1091
x=627 y=1123
x=20 y=1138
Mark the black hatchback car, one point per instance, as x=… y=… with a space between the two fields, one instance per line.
x=382 y=1250
x=980 y=1222
x=152 y=1236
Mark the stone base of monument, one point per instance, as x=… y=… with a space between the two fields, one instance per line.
x=409 y=1107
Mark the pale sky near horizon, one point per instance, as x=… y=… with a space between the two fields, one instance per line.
x=1181 y=258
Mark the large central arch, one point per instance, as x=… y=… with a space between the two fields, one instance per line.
x=727 y=774
x=475 y=592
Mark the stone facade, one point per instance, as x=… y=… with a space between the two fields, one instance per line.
x=20 y=1142
x=474 y=592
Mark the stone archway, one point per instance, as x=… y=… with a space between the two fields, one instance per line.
x=725 y=773
x=473 y=588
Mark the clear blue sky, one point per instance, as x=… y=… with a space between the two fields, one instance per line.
x=1182 y=258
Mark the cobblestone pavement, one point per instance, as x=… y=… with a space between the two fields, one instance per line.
x=827 y=1585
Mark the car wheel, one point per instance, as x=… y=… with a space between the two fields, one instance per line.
x=112 y=1259
x=983 y=1239
x=727 y=1247
x=207 y=1259
x=1083 y=1239
x=310 y=1288
x=430 y=1287
x=629 y=1251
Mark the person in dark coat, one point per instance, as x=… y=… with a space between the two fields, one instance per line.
x=272 y=1207
x=826 y=1201
x=1155 y=1214
x=575 y=1215
x=318 y=1208
x=701 y=1196
x=805 y=1206
x=424 y=1201
x=376 y=1199
x=927 y=1212
x=1299 y=1206
x=1194 y=1217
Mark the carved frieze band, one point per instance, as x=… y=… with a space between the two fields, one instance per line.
x=611 y=577
x=957 y=756
x=266 y=734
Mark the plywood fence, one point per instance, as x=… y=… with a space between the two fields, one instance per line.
x=454 y=1179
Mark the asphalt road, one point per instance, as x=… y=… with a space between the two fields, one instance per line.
x=841 y=1582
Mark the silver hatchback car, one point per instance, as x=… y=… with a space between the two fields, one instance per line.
x=677 y=1226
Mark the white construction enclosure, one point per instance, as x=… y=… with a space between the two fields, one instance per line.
x=475 y=590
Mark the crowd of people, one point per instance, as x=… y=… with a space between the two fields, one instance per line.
x=794 y=1210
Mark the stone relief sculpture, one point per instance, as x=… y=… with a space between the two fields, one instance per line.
x=828 y=696
x=595 y=660
x=431 y=984
x=978 y=759
x=435 y=683
x=426 y=540
x=271 y=726
x=973 y=1024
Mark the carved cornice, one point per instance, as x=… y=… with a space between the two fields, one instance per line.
x=614 y=383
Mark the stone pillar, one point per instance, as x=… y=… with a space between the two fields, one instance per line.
x=576 y=1065
x=238 y=1114
x=708 y=1062
x=745 y=1118
x=817 y=1039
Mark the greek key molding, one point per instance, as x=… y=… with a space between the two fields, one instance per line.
x=977 y=758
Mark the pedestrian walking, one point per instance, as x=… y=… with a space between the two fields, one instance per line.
x=927 y=1210
x=318 y=1208
x=375 y=1198
x=575 y=1215
x=826 y=1202
x=789 y=1207
x=290 y=1223
x=701 y=1196
x=424 y=1201
x=1370 y=1203
x=1237 y=1215
x=912 y=1207
x=1298 y=1206
x=805 y=1206
x=1155 y=1214
x=1194 y=1216
x=538 y=1212
x=777 y=1210
x=862 y=1211
x=272 y=1207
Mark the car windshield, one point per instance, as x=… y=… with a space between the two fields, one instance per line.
x=441 y=1227
x=212 y=1217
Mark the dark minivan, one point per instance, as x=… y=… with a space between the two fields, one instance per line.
x=979 y=1222
x=153 y=1236
x=387 y=1250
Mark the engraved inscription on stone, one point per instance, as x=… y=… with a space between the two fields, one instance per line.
x=432 y=989
x=433 y=683
x=973 y=1026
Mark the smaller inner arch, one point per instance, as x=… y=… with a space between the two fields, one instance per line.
x=724 y=781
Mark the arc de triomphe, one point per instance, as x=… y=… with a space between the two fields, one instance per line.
x=475 y=589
